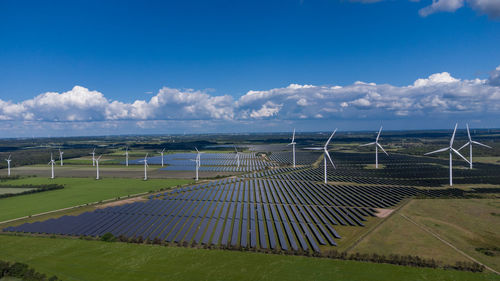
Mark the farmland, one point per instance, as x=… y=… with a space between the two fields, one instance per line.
x=71 y=259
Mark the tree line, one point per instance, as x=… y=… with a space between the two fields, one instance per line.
x=404 y=260
x=34 y=189
x=23 y=272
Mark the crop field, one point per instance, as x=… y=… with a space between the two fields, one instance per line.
x=71 y=259
x=7 y=190
x=77 y=191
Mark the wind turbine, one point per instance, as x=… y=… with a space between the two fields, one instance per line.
x=197 y=162
x=470 y=146
x=8 y=164
x=126 y=156
x=52 y=162
x=237 y=156
x=293 y=143
x=93 y=157
x=451 y=151
x=377 y=145
x=145 y=166
x=198 y=157
x=97 y=166
x=327 y=155
x=61 y=156
x=162 y=156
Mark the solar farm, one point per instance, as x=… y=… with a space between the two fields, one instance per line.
x=268 y=204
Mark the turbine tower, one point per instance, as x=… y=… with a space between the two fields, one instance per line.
x=197 y=162
x=8 y=164
x=451 y=151
x=162 y=156
x=61 y=156
x=93 y=157
x=377 y=145
x=470 y=146
x=145 y=166
x=126 y=156
x=293 y=143
x=198 y=156
x=97 y=166
x=327 y=155
x=52 y=162
x=237 y=156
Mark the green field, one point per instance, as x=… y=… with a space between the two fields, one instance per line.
x=11 y=190
x=76 y=191
x=71 y=259
x=465 y=223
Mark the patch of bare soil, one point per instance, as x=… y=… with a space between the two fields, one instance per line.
x=382 y=213
x=121 y=202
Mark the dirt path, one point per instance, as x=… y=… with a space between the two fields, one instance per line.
x=449 y=244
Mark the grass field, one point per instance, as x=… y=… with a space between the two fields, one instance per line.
x=71 y=259
x=7 y=190
x=465 y=223
x=77 y=191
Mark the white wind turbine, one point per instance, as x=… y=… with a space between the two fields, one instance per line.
x=52 y=162
x=97 y=166
x=451 y=151
x=8 y=164
x=237 y=156
x=293 y=143
x=93 y=157
x=470 y=146
x=145 y=166
x=197 y=162
x=377 y=145
x=198 y=157
x=327 y=155
x=126 y=156
x=162 y=156
x=61 y=156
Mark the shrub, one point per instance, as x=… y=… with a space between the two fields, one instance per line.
x=108 y=237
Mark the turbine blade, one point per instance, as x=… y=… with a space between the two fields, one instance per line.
x=475 y=142
x=458 y=153
x=378 y=136
x=330 y=158
x=330 y=138
x=463 y=146
x=293 y=136
x=453 y=136
x=439 y=150
x=468 y=132
x=382 y=149
x=371 y=143
x=98 y=158
x=196 y=149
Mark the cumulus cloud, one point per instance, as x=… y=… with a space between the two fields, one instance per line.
x=495 y=77
x=488 y=7
x=438 y=94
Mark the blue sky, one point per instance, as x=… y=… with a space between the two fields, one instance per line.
x=219 y=52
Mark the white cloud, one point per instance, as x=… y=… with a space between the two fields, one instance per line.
x=441 y=6
x=435 y=95
x=495 y=77
x=487 y=7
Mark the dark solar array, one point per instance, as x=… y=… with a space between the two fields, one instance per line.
x=398 y=169
x=210 y=162
x=251 y=213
